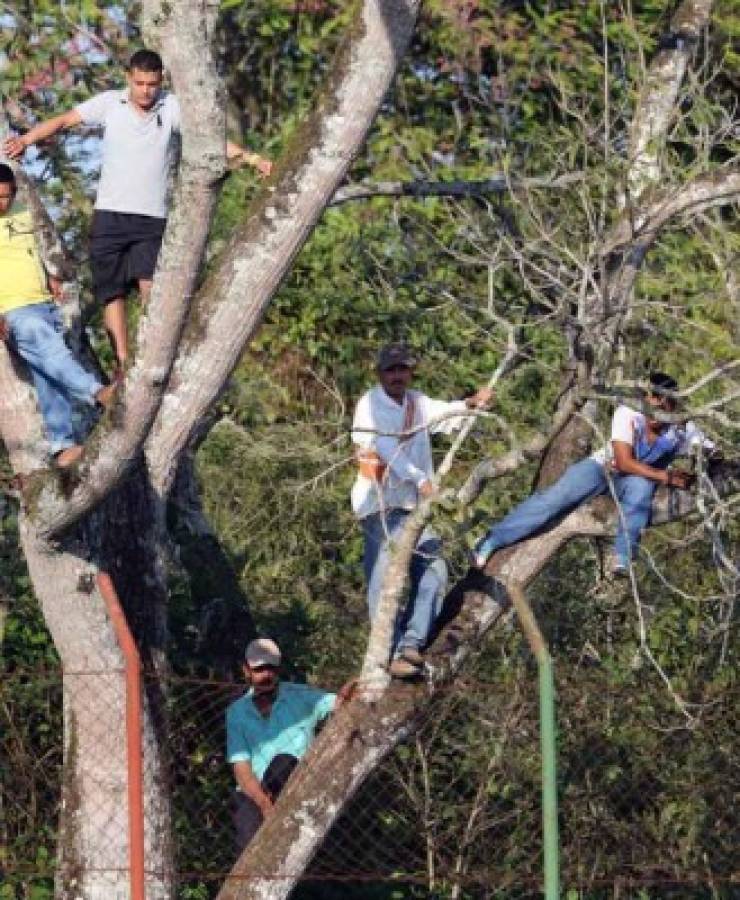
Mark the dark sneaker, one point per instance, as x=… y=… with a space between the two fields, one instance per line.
x=402 y=668
x=618 y=567
x=412 y=655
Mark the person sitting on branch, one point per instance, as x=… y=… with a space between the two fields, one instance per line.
x=31 y=324
x=141 y=127
x=268 y=731
x=631 y=467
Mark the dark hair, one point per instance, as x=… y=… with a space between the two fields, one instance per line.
x=145 y=61
x=660 y=383
x=7 y=176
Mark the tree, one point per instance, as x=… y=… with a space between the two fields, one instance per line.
x=192 y=336
x=144 y=441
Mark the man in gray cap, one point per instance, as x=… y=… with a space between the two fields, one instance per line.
x=268 y=730
x=390 y=432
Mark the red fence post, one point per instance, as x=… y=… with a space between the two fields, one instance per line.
x=133 y=734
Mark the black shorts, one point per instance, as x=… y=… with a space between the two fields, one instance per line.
x=123 y=248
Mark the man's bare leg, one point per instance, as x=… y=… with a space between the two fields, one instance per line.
x=114 y=319
x=145 y=289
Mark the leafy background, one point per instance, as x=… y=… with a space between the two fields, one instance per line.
x=487 y=89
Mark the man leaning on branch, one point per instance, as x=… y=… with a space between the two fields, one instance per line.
x=31 y=323
x=141 y=126
x=268 y=731
x=390 y=431
x=631 y=467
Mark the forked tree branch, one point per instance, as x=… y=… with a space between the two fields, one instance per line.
x=232 y=302
x=183 y=29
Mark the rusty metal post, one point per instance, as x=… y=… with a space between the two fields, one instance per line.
x=133 y=735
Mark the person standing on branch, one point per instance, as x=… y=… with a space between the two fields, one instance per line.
x=31 y=324
x=390 y=431
x=141 y=127
x=632 y=465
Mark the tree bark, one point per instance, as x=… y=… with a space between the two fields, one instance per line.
x=93 y=843
x=231 y=304
x=123 y=530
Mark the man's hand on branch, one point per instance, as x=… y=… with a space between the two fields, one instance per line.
x=56 y=288
x=678 y=479
x=427 y=489
x=346 y=692
x=481 y=399
x=13 y=147
x=240 y=156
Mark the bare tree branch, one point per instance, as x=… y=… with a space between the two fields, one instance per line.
x=656 y=105
x=640 y=230
x=498 y=185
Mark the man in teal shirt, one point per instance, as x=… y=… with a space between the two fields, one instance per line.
x=268 y=730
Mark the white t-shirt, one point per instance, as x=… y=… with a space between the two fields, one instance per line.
x=630 y=426
x=409 y=461
x=139 y=151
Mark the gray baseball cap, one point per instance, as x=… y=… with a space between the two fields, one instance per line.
x=395 y=355
x=262 y=652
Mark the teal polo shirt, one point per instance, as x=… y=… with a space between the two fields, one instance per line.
x=290 y=727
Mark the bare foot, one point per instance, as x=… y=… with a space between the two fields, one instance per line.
x=106 y=395
x=69 y=456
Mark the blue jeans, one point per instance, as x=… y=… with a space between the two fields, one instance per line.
x=428 y=576
x=36 y=335
x=579 y=483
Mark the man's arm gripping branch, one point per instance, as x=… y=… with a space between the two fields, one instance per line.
x=626 y=464
x=15 y=146
x=251 y=786
x=239 y=156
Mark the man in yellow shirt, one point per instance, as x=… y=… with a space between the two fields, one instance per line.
x=31 y=325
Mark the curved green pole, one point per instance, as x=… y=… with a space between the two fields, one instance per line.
x=548 y=741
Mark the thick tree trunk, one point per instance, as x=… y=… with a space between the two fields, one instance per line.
x=94 y=826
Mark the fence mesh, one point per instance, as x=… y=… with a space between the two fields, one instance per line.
x=647 y=806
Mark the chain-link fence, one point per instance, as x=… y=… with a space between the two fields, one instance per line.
x=647 y=806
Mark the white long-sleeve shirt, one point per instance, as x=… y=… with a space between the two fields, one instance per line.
x=377 y=421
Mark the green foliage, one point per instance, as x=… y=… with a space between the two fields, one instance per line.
x=487 y=89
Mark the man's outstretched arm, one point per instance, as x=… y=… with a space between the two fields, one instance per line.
x=241 y=156
x=14 y=146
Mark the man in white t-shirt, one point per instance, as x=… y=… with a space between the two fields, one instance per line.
x=390 y=431
x=141 y=126
x=635 y=462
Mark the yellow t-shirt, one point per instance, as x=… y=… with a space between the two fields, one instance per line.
x=22 y=276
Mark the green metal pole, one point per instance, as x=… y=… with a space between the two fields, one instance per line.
x=548 y=742
x=549 y=778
